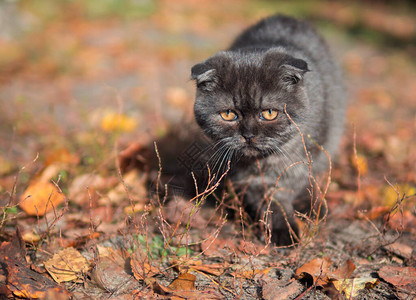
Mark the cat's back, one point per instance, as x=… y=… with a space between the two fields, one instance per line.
x=285 y=32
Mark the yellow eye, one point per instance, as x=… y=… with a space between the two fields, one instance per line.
x=268 y=114
x=228 y=115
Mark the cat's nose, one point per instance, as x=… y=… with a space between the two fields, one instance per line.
x=248 y=137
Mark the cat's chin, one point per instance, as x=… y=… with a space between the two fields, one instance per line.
x=251 y=152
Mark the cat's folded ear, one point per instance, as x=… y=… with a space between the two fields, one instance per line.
x=293 y=70
x=204 y=75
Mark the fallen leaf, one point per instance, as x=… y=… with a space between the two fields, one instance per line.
x=112 y=122
x=322 y=271
x=249 y=274
x=318 y=268
x=360 y=164
x=343 y=271
x=134 y=183
x=183 y=265
x=30 y=237
x=157 y=287
x=391 y=196
x=66 y=265
x=400 y=249
x=184 y=282
x=83 y=187
x=136 y=208
x=21 y=281
x=213 y=269
x=398 y=276
x=182 y=294
x=83 y=239
x=40 y=198
x=61 y=155
x=374 y=213
x=142 y=269
x=110 y=275
x=49 y=173
x=278 y=289
x=351 y=287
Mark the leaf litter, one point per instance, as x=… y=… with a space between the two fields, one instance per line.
x=84 y=206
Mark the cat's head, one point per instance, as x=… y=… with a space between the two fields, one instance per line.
x=244 y=98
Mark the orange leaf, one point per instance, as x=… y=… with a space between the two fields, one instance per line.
x=214 y=269
x=142 y=269
x=40 y=198
x=112 y=122
x=184 y=282
x=360 y=164
x=317 y=268
x=66 y=265
x=249 y=274
x=61 y=156
x=320 y=270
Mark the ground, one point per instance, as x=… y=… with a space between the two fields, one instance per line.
x=86 y=88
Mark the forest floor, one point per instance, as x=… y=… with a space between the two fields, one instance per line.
x=86 y=87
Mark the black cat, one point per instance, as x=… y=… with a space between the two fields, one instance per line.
x=268 y=104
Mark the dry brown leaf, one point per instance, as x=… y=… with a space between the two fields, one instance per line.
x=343 y=271
x=61 y=155
x=157 y=287
x=132 y=181
x=184 y=282
x=110 y=275
x=276 y=289
x=81 y=240
x=320 y=270
x=317 y=268
x=83 y=187
x=66 y=265
x=183 y=265
x=374 y=213
x=21 y=281
x=142 y=269
x=398 y=276
x=40 y=198
x=400 y=249
x=249 y=274
x=213 y=269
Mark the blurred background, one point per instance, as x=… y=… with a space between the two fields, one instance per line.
x=78 y=77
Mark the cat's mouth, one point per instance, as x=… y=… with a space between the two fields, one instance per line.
x=250 y=150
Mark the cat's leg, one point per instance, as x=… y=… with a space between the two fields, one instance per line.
x=284 y=229
x=274 y=212
x=310 y=202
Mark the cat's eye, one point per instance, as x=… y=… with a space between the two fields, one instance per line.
x=268 y=114
x=228 y=115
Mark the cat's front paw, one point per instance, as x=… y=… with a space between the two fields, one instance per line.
x=284 y=232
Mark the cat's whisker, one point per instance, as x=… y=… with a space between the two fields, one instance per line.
x=219 y=154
